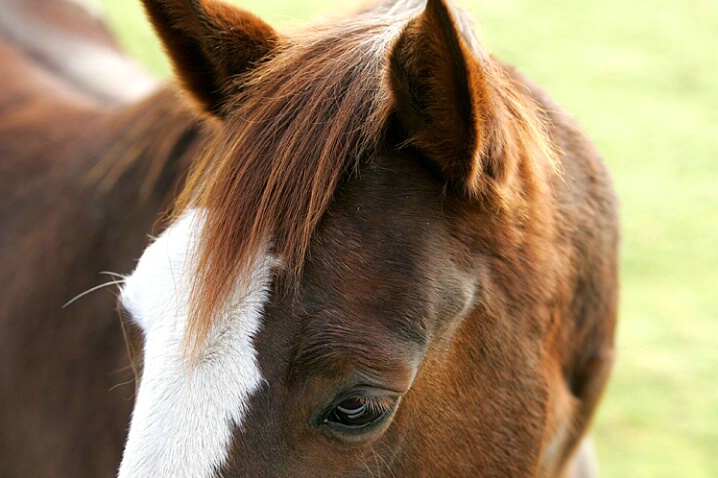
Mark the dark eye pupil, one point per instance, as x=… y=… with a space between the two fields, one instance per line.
x=353 y=412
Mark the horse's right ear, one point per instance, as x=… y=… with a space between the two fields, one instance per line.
x=210 y=43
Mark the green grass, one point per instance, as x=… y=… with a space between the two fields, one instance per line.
x=642 y=78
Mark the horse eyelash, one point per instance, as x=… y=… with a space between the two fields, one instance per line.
x=377 y=405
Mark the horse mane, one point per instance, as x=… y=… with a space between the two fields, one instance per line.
x=304 y=120
x=153 y=136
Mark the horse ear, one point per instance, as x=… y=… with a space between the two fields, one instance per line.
x=441 y=97
x=210 y=43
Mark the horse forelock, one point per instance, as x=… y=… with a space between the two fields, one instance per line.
x=301 y=122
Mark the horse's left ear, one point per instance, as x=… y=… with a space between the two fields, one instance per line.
x=441 y=97
x=210 y=43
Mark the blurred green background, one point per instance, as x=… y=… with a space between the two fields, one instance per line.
x=642 y=79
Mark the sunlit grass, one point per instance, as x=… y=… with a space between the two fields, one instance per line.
x=642 y=78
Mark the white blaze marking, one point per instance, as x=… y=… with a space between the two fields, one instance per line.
x=184 y=414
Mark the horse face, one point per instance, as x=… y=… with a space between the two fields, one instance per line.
x=380 y=362
x=380 y=264
x=344 y=353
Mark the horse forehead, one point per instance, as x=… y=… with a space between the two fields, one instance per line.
x=383 y=260
x=388 y=227
x=186 y=411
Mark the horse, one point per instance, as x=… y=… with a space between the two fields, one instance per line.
x=393 y=254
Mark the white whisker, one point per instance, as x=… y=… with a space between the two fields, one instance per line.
x=93 y=289
x=113 y=274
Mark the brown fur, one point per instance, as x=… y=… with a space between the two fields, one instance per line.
x=206 y=55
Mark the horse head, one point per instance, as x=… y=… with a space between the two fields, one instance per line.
x=371 y=270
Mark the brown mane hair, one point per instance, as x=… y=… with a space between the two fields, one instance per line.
x=155 y=132
x=302 y=121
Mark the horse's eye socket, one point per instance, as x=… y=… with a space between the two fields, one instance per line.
x=356 y=412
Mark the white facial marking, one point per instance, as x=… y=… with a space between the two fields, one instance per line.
x=185 y=413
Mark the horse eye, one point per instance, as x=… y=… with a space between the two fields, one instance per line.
x=356 y=413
